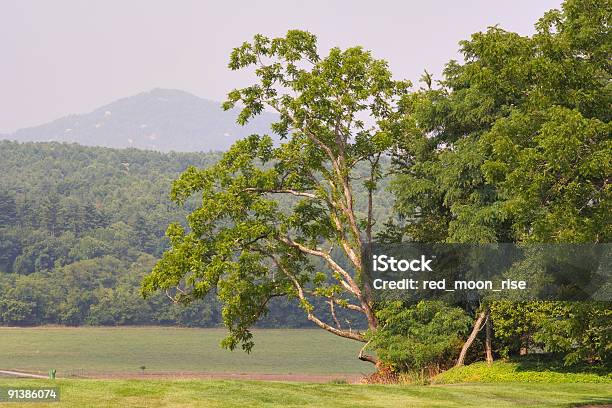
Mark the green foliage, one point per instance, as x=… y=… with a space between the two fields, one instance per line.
x=86 y=265
x=513 y=145
x=79 y=228
x=248 y=244
x=111 y=207
x=582 y=332
x=413 y=338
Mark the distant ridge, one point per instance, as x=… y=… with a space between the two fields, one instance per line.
x=161 y=119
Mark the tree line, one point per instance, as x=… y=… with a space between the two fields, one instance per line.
x=79 y=229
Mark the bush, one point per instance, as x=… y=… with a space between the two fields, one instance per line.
x=427 y=335
x=581 y=331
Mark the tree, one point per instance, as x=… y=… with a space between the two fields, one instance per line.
x=514 y=145
x=271 y=216
x=10 y=248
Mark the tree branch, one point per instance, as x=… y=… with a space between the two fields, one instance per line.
x=333 y=312
x=351 y=285
x=365 y=357
x=342 y=333
x=283 y=191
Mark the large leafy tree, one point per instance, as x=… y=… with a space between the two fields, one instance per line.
x=514 y=144
x=338 y=115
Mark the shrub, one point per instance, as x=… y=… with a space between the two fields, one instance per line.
x=581 y=331
x=427 y=335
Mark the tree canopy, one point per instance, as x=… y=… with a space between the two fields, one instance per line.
x=338 y=115
x=513 y=145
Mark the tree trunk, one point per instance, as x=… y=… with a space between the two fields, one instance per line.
x=524 y=345
x=365 y=357
x=470 y=340
x=489 y=333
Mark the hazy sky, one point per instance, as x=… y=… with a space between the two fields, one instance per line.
x=70 y=56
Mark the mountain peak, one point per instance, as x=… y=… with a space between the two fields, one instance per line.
x=159 y=119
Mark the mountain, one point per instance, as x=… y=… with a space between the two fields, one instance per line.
x=161 y=119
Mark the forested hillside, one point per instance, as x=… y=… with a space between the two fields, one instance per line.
x=81 y=226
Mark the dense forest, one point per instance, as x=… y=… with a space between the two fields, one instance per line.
x=81 y=226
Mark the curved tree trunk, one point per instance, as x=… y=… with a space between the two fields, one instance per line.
x=470 y=340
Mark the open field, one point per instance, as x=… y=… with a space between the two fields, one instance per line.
x=97 y=351
x=189 y=393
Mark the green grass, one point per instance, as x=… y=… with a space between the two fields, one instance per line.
x=524 y=370
x=125 y=349
x=121 y=350
x=189 y=393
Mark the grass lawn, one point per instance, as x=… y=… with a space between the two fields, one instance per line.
x=125 y=349
x=190 y=393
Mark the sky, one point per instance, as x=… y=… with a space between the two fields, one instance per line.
x=71 y=56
